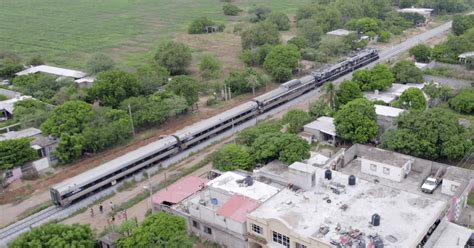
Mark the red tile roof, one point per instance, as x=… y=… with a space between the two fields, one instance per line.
x=237 y=207
x=180 y=190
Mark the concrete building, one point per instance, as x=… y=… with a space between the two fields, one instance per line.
x=302 y=175
x=385 y=117
x=7 y=107
x=340 y=32
x=9 y=93
x=322 y=129
x=458 y=183
x=464 y=57
x=393 y=93
x=52 y=70
x=44 y=145
x=177 y=192
x=85 y=81
x=386 y=164
x=334 y=213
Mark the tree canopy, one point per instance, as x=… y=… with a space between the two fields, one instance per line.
x=231 y=9
x=210 y=67
x=98 y=63
x=285 y=147
x=310 y=30
x=174 y=56
x=259 y=13
x=412 y=98
x=161 y=230
x=380 y=77
x=320 y=108
x=406 y=72
x=356 y=121
x=56 y=235
x=151 y=78
x=70 y=117
x=280 y=20
x=186 y=87
x=245 y=81
x=112 y=87
x=281 y=61
x=260 y=34
x=463 y=102
x=248 y=136
x=461 y=23
x=421 y=52
x=9 y=64
x=295 y=119
x=431 y=134
x=31 y=113
x=16 y=152
x=348 y=91
x=40 y=86
x=233 y=157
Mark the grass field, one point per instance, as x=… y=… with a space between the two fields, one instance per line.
x=66 y=32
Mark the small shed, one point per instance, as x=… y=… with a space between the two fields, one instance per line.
x=322 y=129
x=386 y=164
x=109 y=240
x=464 y=57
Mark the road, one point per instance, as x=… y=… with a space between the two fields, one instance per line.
x=384 y=56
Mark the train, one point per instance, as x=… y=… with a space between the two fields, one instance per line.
x=109 y=173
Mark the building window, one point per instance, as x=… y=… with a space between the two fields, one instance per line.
x=373 y=167
x=195 y=224
x=281 y=239
x=207 y=230
x=386 y=171
x=313 y=179
x=454 y=188
x=256 y=229
x=298 y=245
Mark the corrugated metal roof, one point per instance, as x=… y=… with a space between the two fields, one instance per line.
x=52 y=70
x=237 y=207
x=24 y=133
x=387 y=111
x=9 y=105
x=324 y=124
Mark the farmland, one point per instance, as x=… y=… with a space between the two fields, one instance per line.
x=66 y=33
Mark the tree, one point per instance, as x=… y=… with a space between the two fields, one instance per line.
x=412 y=98
x=69 y=118
x=462 y=23
x=320 y=108
x=260 y=34
x=348 y=91
x=112 y=87
x=280 y=20
x=158 y=230
x=186 y=87
x=98 y=63
x=333 y=46
x=380 y=77
x=10 y=64
x=431 y=134
x=421 y=52
x=295 y=119
x=245 y=81
x=40 y=86
x=356 y=121
x=406 y=72
x=15 y=152
x=248 y=136
x=31 y=113
x=463 y=102
x=70 y=147
x=283 y=146
x=329 y=94
x=364 y=25
x=281 y=61
x=384 y=36
x=35 y=60
x=233 y=157
x=174 y=56
x=259 y=13
x=435 y=91
x=210 y=67
x=231 y=10
x=310 y=30
x=69 y=92
x=151 y=78
x=298 y=41
x=56 y=235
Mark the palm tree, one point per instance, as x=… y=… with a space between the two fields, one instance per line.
x=329 y=94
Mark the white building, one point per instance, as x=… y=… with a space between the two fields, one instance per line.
x=340 y=32
x=7 y=107
x=426 y=13
x=463 y=58
x=393 y=93
x=322 y=129
x=57 y=71
x=386 y=164
x=334 y=213
x=302 y=175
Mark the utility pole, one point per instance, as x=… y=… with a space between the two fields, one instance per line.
x=131 y=119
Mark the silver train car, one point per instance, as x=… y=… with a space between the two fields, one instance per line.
x=113 y=171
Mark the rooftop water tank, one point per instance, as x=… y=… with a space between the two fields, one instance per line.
x=375 y=220
x=328 y=174
x=352 y=180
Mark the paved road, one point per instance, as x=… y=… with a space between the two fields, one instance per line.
x=384 y=55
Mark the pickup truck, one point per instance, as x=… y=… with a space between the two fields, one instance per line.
x=430 y=184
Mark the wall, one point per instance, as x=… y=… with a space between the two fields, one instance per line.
x=218 y=235
x=302 y=179
x=395 y=174
x=447 y=185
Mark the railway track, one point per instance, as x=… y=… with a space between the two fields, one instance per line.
x=28 y=222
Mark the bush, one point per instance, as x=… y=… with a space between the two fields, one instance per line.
x=281 y=61
x=260 y=34
x=233 y=157
x=174 y=56
x=198 y=26
x=298 y=41
x=99 y=63
x=463 y=102
x=280 y=20
x=231 y=10
x=210 y=67
x=384 y=36
x=421 y=52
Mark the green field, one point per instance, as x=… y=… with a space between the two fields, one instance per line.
x=67 y=32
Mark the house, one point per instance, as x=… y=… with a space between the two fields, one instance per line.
x=386 y=164
x=426 y=13
x=385 y=116
x=340 y=211
x=177 y=192
x=7 y=107
x=340 y=32
x=322 y=129
x=457 y=183
x=44 y=145
x=464 y=57
x=393 y=93
x=9 y=93
x=52 y=70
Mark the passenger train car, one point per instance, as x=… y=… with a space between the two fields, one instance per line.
x=111 y=172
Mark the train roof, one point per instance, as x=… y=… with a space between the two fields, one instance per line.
x=115 y=164
x=276 y=92
x=205 y=124
x=307 y=79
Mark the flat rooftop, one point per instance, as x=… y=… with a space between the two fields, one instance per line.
x=9 y=105
x=52 y=70
x=405 y=216
x=324 y=124
x=316 y=159
x=340 y=32
x=387 y=111
x=237 y=208
x=386 y=157
x=24 y=133
x=392 y=93
x=231 y=182
x=179 y=190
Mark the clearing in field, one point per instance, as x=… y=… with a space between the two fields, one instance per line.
x=67 y=32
